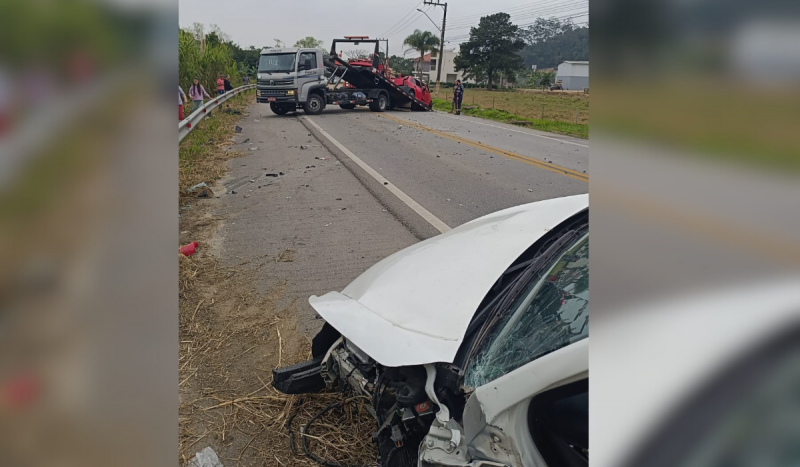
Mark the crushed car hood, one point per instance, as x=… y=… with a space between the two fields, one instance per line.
x=414 y=306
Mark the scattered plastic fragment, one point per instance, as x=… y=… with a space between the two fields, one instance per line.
x=205 y=458
x=189 y=250
x=199 y=185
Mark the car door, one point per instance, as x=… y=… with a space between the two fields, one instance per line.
x=529 y=371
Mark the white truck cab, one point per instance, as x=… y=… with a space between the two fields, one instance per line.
x=289 y=78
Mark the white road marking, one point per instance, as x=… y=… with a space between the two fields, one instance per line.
x=512 y=129
x=424 y=213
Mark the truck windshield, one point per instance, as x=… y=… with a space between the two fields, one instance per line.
x=276 y=63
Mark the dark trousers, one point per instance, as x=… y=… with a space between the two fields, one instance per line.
x=457 y=100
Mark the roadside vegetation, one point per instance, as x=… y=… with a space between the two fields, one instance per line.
x=525 y=110
x=557 y=106
x=202 y=154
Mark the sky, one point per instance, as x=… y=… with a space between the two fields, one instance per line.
x=260 y=22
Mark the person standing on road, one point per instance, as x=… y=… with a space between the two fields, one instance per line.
x=227 y=83
x=220 y=85
x=458 y=96
x=196 y=93
x=181 y=100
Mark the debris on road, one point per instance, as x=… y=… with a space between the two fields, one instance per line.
x=286 y=256
x=238 y=129
x=530 y=190
x=257 y=121
x=189 y=250
x=205 y=458
x=199 y=185
x=271 y=175
x=254 y=148
x=246 y=140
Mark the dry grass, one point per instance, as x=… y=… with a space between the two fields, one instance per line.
x=232 y=335
x=203 y=153
x=229 y=343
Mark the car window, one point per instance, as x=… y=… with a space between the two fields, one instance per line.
x=312 y=56
x=746 y=414
x=549 y=312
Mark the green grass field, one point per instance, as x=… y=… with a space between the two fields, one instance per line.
x=555 y=106
x=580 y=130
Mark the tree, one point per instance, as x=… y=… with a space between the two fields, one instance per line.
x=308 y=43
x=492 y=47
x=571 y=45
x=542 y=78
x=401 y=65
x=551 y=41
x=423 y=42
x=545 y=29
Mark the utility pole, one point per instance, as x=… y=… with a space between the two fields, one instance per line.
x=441 y=43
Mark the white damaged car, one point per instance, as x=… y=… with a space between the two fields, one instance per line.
x=472 y=345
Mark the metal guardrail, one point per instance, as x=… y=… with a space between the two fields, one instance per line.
x=186 y=125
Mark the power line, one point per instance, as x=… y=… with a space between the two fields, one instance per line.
x=464 y=37
x=404 y=27
x=573 y=5
x=507 y=10
x=401 y=19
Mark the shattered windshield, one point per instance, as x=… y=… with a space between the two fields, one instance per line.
x=551 y=312
x=276 y=63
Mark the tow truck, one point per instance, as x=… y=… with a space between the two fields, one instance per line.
x=310 y=79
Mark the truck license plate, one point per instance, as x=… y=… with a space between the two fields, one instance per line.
x=270 y=99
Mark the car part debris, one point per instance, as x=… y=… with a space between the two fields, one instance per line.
x=189 y=250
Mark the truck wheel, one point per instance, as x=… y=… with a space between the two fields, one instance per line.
x=379 y=104
x=347 y=106
x=279 y=109
x=313 y=105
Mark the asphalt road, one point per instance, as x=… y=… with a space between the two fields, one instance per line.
x=456 y=167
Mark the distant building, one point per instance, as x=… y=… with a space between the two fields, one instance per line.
x=430 y=64
x=574 y=75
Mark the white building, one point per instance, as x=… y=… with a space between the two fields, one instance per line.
x=574 y=75
x=449 y=73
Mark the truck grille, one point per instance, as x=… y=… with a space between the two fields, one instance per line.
x=271 y=93
x=275 y=82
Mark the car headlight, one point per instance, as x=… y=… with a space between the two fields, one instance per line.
x=290 y=92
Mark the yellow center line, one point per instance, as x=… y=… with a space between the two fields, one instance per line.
x=501 y=152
